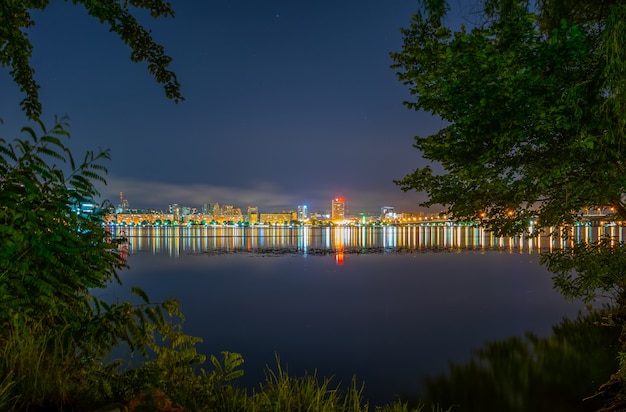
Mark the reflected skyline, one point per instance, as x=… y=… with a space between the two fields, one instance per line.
x=307 y=240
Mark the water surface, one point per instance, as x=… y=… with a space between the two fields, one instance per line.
x=392 y=318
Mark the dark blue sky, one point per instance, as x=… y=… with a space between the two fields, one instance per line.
x=287 y=102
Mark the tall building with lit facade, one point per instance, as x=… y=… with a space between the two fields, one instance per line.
x=303 y=212
x=338 y=210
x=214 y=209
x=174 y=210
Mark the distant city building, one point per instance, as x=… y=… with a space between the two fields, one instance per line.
x=123 y=206
x=252 y=215
x=303 y=212
x=174 y=210
x=338 y=210
x=184 y=211
x=205 y=209
x=214 y=209
x=388 y=213
x=230 y=214
x=230 y=210
x=284 y=218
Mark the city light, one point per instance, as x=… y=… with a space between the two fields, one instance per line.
x=225 y=215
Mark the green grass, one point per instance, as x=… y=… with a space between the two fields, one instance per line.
x=281 y=392
x=39 y=372
x=37 y=369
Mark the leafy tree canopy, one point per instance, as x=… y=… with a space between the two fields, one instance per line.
x=16 y=49
x=551 y=12
x=534 y=112
x=533 y=100
x=53 y=256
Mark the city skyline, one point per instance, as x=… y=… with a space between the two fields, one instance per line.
x=336 y=209
x=321 y=204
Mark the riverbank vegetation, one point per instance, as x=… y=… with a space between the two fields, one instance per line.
x=557 y=373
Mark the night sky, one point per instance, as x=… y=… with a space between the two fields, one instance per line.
x=287 y=103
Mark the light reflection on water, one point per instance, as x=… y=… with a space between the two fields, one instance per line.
x=178 y=240
x=392 y=316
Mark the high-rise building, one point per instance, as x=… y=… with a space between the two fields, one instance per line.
x=303 y=212
x=228 y=210
x=338 y=210
x=174 y=210
x=214 y=209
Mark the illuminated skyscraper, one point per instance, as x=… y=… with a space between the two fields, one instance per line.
x=338 y=211
x=303 y=212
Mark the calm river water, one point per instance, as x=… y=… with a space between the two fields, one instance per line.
x=443 y=313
